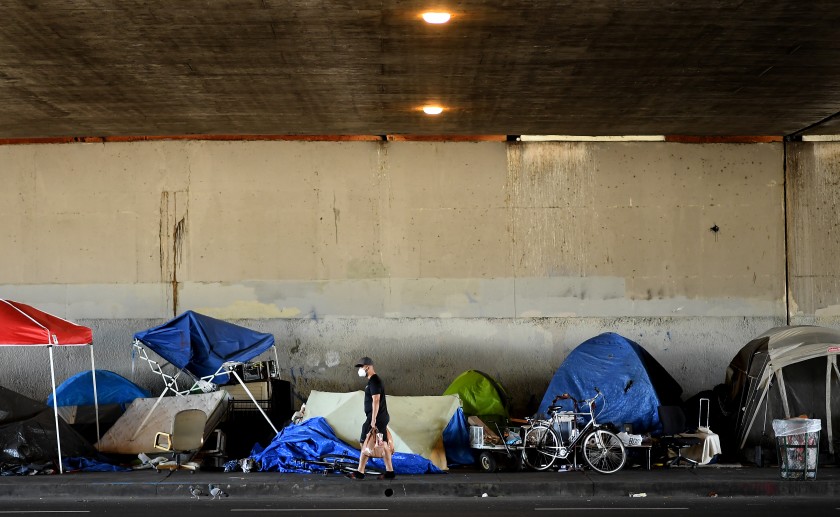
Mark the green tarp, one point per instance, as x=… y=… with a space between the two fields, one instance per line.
x=480 y=394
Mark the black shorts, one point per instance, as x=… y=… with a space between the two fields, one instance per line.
x=381 y=427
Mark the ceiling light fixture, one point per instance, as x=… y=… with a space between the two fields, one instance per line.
x=436 y=17
x=432 y=110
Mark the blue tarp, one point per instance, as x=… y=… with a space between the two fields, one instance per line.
x=200 y=344
x=633 y=383
x=313 y=439
x=456 y=440
x=91 y=465
x=111 y=388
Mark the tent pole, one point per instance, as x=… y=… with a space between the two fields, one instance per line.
x=55 y=410
x=95 y=395
x=830 y=364
x=783 y=393
x=254 y=400
x=752 y=420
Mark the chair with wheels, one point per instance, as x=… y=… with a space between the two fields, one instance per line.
x=673 y=423
x=186 y=438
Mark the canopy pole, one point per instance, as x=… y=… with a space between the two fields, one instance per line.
x=254 y=400
x=55 y=410
x=149 y=414
x=95 y=395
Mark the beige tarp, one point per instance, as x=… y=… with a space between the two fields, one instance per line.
x=417 y=423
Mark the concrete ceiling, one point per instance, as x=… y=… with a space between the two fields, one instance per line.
x=364 y=67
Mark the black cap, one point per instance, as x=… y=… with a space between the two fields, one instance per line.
x=364 y=361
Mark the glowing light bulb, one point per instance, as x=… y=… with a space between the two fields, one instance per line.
x=432 y=110
x=436 y=18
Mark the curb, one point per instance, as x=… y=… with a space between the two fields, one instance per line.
x=270 y=485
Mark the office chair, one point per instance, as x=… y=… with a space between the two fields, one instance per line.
x=186 y=437
x=673 y=423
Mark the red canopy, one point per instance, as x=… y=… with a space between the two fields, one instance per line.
x=21 y=324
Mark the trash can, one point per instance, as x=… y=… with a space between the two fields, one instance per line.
x=798 y=446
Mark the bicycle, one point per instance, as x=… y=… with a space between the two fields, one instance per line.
x=559 y=438
x=335 y=464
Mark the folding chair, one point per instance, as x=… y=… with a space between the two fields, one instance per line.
x=673 y=423
x=186 y=437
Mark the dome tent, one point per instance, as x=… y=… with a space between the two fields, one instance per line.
x=784 y=372
x=480 y=395
x=112 y=388
x=633 y=383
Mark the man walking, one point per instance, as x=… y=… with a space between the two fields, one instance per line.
x=376 y=411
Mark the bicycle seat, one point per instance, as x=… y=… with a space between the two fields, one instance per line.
x=557 y=409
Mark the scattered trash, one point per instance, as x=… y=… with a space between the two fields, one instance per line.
x=484 y=494
x=298 y=416
x=247 y=464
x=712 y=494
x=630 y=440
x=147 y=462
x=640 y=494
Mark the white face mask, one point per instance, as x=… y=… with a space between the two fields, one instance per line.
x=362 y=372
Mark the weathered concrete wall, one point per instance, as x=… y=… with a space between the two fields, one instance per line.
x=813 y=231
x=432 y=257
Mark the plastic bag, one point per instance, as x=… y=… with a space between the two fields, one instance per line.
x=794 y=426
x=375 y=444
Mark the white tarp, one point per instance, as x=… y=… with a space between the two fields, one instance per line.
x=417 y=423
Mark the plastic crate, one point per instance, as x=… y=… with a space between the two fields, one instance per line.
x=476 y=436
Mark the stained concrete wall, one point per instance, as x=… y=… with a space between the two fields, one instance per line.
x=814 y=232
x=432 y=257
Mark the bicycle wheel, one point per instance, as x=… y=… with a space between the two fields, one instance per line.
x=343 y=463
x=540 y=447
x=604 y=452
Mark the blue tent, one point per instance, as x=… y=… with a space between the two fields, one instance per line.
x=200 y=344
x=111 y=388
x=633 y=383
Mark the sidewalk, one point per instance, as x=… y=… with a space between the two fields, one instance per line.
x=658 y=483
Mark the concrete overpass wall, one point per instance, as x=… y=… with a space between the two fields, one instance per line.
x=431 y=257
x=813 y=232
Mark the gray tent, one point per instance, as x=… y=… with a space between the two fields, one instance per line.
x=785 y=372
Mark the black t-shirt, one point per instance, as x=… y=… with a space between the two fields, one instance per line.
x=375 y=387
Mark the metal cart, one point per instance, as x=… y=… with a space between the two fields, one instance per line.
x=505 y=448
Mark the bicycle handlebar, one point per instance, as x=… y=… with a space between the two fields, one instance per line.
x=566 y=396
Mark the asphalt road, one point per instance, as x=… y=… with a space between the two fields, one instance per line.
x=467 y=507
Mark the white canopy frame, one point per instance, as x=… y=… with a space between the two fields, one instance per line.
x=202 y=384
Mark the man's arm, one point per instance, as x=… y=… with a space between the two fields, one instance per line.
x=375 y=410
